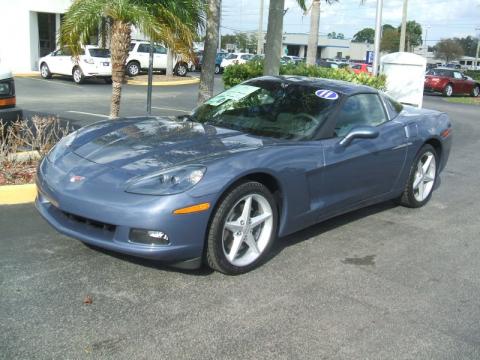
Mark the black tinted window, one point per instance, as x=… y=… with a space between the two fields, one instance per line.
x=393 y=106
x=144 y=48
x=101 y=53
x=362 y=109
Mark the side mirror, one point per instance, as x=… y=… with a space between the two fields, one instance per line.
x=359 y=132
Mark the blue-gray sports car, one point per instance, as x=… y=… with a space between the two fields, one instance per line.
x=259 y=161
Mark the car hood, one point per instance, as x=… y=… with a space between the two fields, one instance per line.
x=150 y=144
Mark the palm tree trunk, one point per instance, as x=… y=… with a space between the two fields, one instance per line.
x=313 y=36
x=169 y=71
x=209 y=52
x=120 y=44
x=273 y=47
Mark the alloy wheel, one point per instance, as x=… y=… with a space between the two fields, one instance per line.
x=44 y=71
x=182 y=70
x=77 y=75
x=449 y=90
x=424 y=176
x=133 y=69
x=247 y=230
x=476 y=91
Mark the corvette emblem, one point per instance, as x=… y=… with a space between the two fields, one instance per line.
x=76 y=178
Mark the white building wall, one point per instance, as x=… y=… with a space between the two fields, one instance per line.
x=19 y=45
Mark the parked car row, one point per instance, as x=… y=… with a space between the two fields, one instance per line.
x=95 y=62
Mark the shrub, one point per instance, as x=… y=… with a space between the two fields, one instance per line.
x=23 y=143
x=475 y=74
x=235 y=74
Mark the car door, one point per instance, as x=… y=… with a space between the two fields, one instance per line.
x=143 y=54
x=458 y=83
x=366 y=168
x=53 y=61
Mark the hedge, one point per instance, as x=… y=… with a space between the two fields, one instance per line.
x=475 y=74
x=235 y=74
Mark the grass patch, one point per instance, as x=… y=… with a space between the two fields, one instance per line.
x=464 y=100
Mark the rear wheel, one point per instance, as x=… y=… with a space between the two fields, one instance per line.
x=448 y=90
x=475 y=91
x=108 y=80
x=181 y=69
x=242 y=230
x=421 y=180
x=45 y=71
x=77 y=74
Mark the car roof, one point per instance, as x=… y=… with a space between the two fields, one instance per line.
x=341 y=87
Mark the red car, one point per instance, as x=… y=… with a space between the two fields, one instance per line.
x=361 y=68
x=450 y=82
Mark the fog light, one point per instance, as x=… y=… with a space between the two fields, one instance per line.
x=149 y=237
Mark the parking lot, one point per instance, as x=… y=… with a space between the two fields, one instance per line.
x=385 y=282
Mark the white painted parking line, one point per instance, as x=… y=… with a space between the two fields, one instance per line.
x=170 y=109
x=53 y=82
x=87 y=113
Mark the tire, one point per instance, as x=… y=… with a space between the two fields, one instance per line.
x=133 y=68
x=475 y=91
x=217 y=69
x=240 y=246
x=45 y=71
x=447 y=90
x=77 y=74
x=411 y=194
x=108 y=80
x=181 y=69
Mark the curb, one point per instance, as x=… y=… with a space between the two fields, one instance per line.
x=27 y=74
x=164 y=83
x=17 y=194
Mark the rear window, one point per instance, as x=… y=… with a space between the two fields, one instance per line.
x=100 y=53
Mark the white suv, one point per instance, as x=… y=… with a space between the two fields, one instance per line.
x=139 y=56
x=92 y=62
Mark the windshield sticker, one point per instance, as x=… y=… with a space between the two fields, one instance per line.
x=326 y=94
x=236 y=93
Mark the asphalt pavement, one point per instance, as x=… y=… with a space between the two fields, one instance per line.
x=383 y=282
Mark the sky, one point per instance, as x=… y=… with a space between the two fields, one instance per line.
x=443 y=18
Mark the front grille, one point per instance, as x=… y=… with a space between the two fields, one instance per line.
x=90 y=222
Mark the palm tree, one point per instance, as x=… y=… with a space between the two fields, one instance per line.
x=273 y=46
x=173 y=22
x=209 y=51
x=313 y=35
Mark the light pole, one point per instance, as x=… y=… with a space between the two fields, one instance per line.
x=426 y=44
x=378 y=36
x=404 y=26
x=260 y=29
x=478 y=50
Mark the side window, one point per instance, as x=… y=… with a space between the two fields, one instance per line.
x=160 y=50
x=143 y=48
x=457 y=75
x=393 y=106
x=132 y=45
x=356 y=67
x=362 y=109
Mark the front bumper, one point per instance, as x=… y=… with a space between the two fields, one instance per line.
x=106 y=221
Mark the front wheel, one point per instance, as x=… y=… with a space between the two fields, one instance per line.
x=448 y=90
x=242 y=230
x=78 y=77
x=181 y=70
x=133 y=68
x=475 y=91
x=421 y=180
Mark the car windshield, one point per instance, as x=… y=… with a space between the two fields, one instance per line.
x=269 y=108
x=231 y=56
x=100 y=53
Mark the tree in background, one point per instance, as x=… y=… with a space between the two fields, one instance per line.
x=413 y=35
x=273 y=46
x=205 y=90
x=160 y=20
x=448 y=50
x=334 y=35
x=314 y=29
x=243 y=41
x=390 y=40
x=468 y=44
x=366 y=35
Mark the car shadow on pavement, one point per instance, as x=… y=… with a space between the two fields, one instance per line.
x=326 y=226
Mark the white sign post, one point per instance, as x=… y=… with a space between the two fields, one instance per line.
x=405 y=74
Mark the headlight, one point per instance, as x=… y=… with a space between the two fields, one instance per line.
x=60 y=148
x=167 y=182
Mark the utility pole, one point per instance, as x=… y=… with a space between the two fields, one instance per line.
x=478 y=50
x=219 y=28
x=426 y=44
x=404 y=26
x=378 y=36
x=260 y=29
